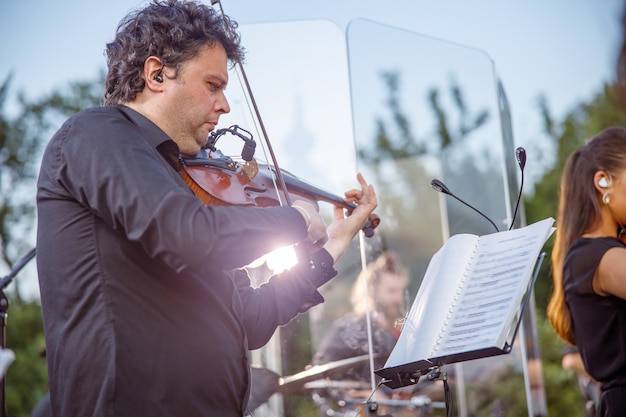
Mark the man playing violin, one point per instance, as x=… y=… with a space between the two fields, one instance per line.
x=147 y=308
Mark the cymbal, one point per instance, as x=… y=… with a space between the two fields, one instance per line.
x=416 y=401
x=328 y=384
x=296 y=382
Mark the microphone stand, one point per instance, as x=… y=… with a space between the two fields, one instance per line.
x=4 y=307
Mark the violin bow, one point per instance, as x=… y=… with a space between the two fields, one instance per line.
x=257 y=113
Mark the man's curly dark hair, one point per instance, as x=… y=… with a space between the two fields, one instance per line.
x=173 y=30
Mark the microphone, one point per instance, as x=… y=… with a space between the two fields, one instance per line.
x=249 y=145
x=520 y=155
x=247 y=153
x=441 y=187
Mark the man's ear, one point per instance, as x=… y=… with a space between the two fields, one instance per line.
x=153 y=73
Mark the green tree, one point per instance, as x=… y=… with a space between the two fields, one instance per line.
x=26 y=380
x=21 y=141
x=585 y=120
x=17 y=174
x=396 y=141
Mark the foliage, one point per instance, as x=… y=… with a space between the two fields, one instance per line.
x=584 y=121
x=21 y=142
x=561 y=387
x=395 y=140
x=17 y=175
x=507 y=391
x=27 y=378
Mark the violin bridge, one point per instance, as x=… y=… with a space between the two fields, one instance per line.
x=250 y=168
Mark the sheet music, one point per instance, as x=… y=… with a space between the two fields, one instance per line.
x=490 y=293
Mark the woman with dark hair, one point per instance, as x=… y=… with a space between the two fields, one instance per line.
x=588 y=304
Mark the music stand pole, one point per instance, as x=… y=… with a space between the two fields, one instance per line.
x=4 y=308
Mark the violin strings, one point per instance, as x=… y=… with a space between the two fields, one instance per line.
x=257 y=130
x=258 y=124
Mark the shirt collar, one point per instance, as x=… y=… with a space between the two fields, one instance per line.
x=154 y=135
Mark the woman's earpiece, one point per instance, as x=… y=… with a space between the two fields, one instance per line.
x=603 y=183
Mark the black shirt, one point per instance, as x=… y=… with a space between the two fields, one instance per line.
x=599 y=322
x=146 y=310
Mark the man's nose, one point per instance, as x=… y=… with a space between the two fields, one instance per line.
x=222 y=105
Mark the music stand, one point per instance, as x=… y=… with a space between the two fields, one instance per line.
x=409 y=376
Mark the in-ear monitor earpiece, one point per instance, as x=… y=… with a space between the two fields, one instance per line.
x=603 y=183
x=158 y=77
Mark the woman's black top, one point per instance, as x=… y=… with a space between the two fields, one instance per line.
x=599 y=322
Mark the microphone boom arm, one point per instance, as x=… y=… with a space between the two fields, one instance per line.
x=476 y=210
x=520 y=155
x=441 y=187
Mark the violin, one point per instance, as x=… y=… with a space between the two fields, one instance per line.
x=223 y=181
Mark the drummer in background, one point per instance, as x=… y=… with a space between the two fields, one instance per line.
x=386 y=300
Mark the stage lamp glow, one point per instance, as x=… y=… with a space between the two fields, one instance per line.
x=279 y=260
